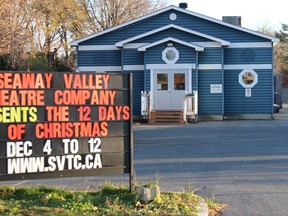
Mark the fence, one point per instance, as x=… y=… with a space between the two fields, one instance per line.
x=284 y=95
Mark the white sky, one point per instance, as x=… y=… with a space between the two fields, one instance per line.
x=255 y=13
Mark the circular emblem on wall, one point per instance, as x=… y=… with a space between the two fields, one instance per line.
x=173 y=16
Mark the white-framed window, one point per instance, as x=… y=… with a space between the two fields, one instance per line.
x=173 y=16
x=248 y=78
x=170 y=55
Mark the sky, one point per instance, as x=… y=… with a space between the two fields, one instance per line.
x=254 y=13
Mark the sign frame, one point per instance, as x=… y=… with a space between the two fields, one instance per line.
x=27 y=149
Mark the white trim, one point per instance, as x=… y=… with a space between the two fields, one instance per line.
x=133 y=67
x=208 y=44
x=151 y=89
x=99 y=68
x=76 y=42
x=251 y=45
x=202 y=44
x=190 y=81
x=170 y=66
x=223 y=42
x=173 y=66
x=247 y=67
x=97 y=47
x=133 y=45
x=210 y=67
x=197 y=48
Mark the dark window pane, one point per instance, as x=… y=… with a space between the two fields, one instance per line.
x=179 y=81
x=162 y=81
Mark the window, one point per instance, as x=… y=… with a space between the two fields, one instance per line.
x=162 y=81
x=248 y=78
x=179 y=81
x=170 y=55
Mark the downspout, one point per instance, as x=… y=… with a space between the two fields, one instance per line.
x=273 y=87
x=77 y=60
x=122 y=60
x=196 y=71
x=223 y=98
x=145 y=71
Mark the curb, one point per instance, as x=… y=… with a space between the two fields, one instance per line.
x=202 y=208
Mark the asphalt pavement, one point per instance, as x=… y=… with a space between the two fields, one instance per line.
x=241 y=163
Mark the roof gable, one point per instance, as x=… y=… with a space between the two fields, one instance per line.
x=223 y=42
x=194 y=46
x=76 y=42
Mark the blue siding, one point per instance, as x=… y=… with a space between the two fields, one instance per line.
x=138 y=86
x=186 y=54
x=235 y=100
x=99 y=58
x=181 y=35
x=184 y=20
x=147 y=86
x=248 y=56
x=209 y=104
x=133 y=57
x=211 y=56
x=217 y=30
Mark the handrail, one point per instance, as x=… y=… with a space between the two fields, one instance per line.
x=145 y=104
x=190 y=107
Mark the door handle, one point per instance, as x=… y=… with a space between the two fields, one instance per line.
x=168 y=90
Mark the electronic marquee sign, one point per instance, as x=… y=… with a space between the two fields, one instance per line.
x=64 y=124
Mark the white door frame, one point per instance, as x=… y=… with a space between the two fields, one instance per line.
x=152 y=71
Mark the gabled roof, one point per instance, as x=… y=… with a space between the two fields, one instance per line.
x=196 y=47
x=76 y=42
x=223 y=42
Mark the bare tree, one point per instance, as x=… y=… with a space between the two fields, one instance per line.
x=15 y=23
x=31 y=29
x=99 y=15
x=281 y=54
x=266 y=29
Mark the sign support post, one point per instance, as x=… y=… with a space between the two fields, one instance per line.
x=132 y=172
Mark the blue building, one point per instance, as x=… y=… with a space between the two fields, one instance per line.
x=174 y=51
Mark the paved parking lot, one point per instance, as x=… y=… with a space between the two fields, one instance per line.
x=241 y=163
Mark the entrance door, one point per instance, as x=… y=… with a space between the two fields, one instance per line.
x=169 y=88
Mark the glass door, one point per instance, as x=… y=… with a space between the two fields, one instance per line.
x=169 y=88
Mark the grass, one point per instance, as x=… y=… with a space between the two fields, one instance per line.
x=110 y=200
x=215 y=208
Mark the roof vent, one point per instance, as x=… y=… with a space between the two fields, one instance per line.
x=183 y=5
x=235 y=20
